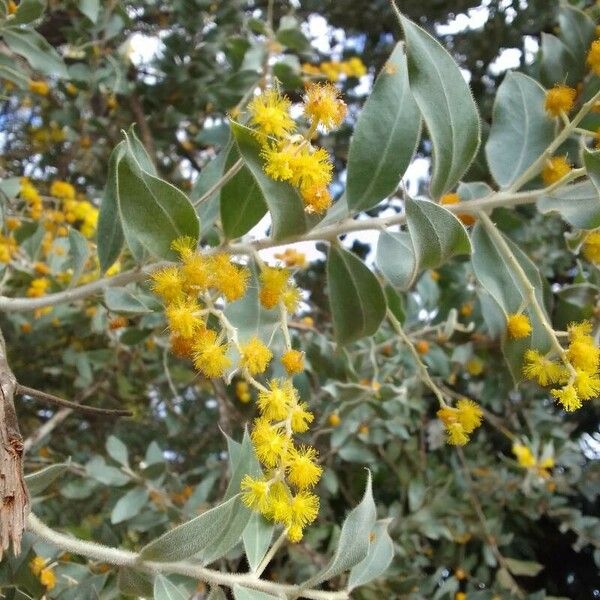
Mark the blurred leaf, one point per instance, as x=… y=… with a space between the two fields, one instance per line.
x=257 y=539
x=244 y=593
x=385 y=136
x=129 y=505
x=117 y=450
x=519 y=123
x=37 y=482
x=355 y=296
x=577 y=204
x=165 y=590
x=446 y=104
x=78 y=254
x=100 y=471
x=525 y=568
x=134 y=583
x=28 y=11
x=577 y=31
x=557 y=62
x=90 y=8
x=245 y=463
x=121 y=300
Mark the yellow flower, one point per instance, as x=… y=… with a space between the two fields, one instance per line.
x=354 y=67
x=302 y=468
x=587 y=385
x=518 y=326
x=456 y=435
x=311 y=167
x=301 y=417
x=255 y=356
x=323 y=106
x=242 y=391
x=524 y=455
x=62 y=189
x=39 y=87
x=210 y=356
x=273 y=282
x=469 y=414
x=591 y=247
x=583 y=354
x=269 y=442
x=38 y=287
x=568 y=397
x=293 y=361
x=255 y=492
x=269 y=113
x=168 y=283
x=455 y=431
x=334 y=420
x=48 y=578
x=460 y=596
x=317 y=199
x=291 y=298
x=542 y=369
x=292 y=258
x=278 y=162
x=559 y=99
x=474 y=366
x=227 y=277
x=182 y=317
x=37 y=564
x=304 y=508
x=466 y=218
x=11 y=7
x=275 y=402
x=556 y=168
x=593 y=57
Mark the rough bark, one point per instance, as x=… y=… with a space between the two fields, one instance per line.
x=14 y=497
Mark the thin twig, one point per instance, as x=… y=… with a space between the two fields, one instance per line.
x=52 y=399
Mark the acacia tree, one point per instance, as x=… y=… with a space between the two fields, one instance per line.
x=139 y=311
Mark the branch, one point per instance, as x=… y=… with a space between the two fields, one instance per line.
x=125 y=558
x=349 y=225
x=14 y=496
x=52 y=399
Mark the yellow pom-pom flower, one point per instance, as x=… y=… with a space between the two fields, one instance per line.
x=568 y=397
x=542 y=369
x=593 y=57
x=303 y=470
x=518 y=326
x=269 y=113
x=273 y=283
x=323 y=105
x=591 y=247
x=560 y=99
x=183 y=318
x=524 y=455
x=293 y=361
x=62 y=189
x=255 y=356
x=556 y=168
x=210 y=356
x=469 y=414
x=269 y=442
x=168 y=283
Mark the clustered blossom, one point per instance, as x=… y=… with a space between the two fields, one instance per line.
x=44 y=572
x=518 y=326
x=335 y=70
x=527 y=459
x=576 y=372
x=460 y=421
x=291 y=156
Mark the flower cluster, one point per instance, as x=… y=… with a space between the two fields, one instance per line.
x=555 y=169
x=527 y=459
x=560 y=100
x=460 y=421
x=518 y=326
x=43 y=572
x=576 y=370
x=335 y=70
x=283 y=493
x=591 y=247
x=290 y=156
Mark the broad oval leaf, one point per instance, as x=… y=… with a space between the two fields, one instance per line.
x=520 y=124
x=577 y=204
x=28 y=11
x=210 y=535
x=129 y=505
x=257 y=537
x=37 y=482
x=242 y=202
x=395 y=258
x=284 y=202
x=354 y=541
x=385 y=137
x=153 y=212
x=378 y=559
x=245 y=593
x=36 y=50
x=117 y=450
x=447 y=106
x=165 y=590
x=355 y=296
x=557 y=62
x=577 y=32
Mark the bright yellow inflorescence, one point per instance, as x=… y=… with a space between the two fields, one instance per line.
x=576 y=371
x=593 y=57
x=289 y=156
x=518 y=326
x=44 y=573
x=460 y=421
x=591 y=247
x=556 y=168
x=560 y=99
x=526 y=459
x=335 y=70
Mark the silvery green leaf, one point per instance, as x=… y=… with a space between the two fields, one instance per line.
x=378 y=559
x=117 y=450
x=129 y=505
x=37 y=482
x=257 y=538
x=244 y=593
x=447 y=106
x=519 y=122
x=165 y=590
x=577 y=204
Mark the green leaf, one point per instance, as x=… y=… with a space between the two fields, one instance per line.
x=110 y=231
x=216 y=593
x=557 y=62
x=37 y=482
x=36 y=50
x=78 y=254
x=378 y=559
x=577 y=31
x=97 y=469
x=434 y=236
x=117 y=450
x=244 y=593
x=90 y=8
x=355 y=296
x=577 y=204
x=165 y=590
x=134 y=583
x=135 y=146
x=121 y=300
x=244 y=462
x=129 y=505
x=9 y=187
x=395 y=303
x=242 y=202
x=28 y=11
x=520 y=124
x=525 y=568
x=446 y=104
x=284 y=202
x=153 y=212
x=353 y=545
x=210 y=535
x=257 y=537
x=385 y=137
